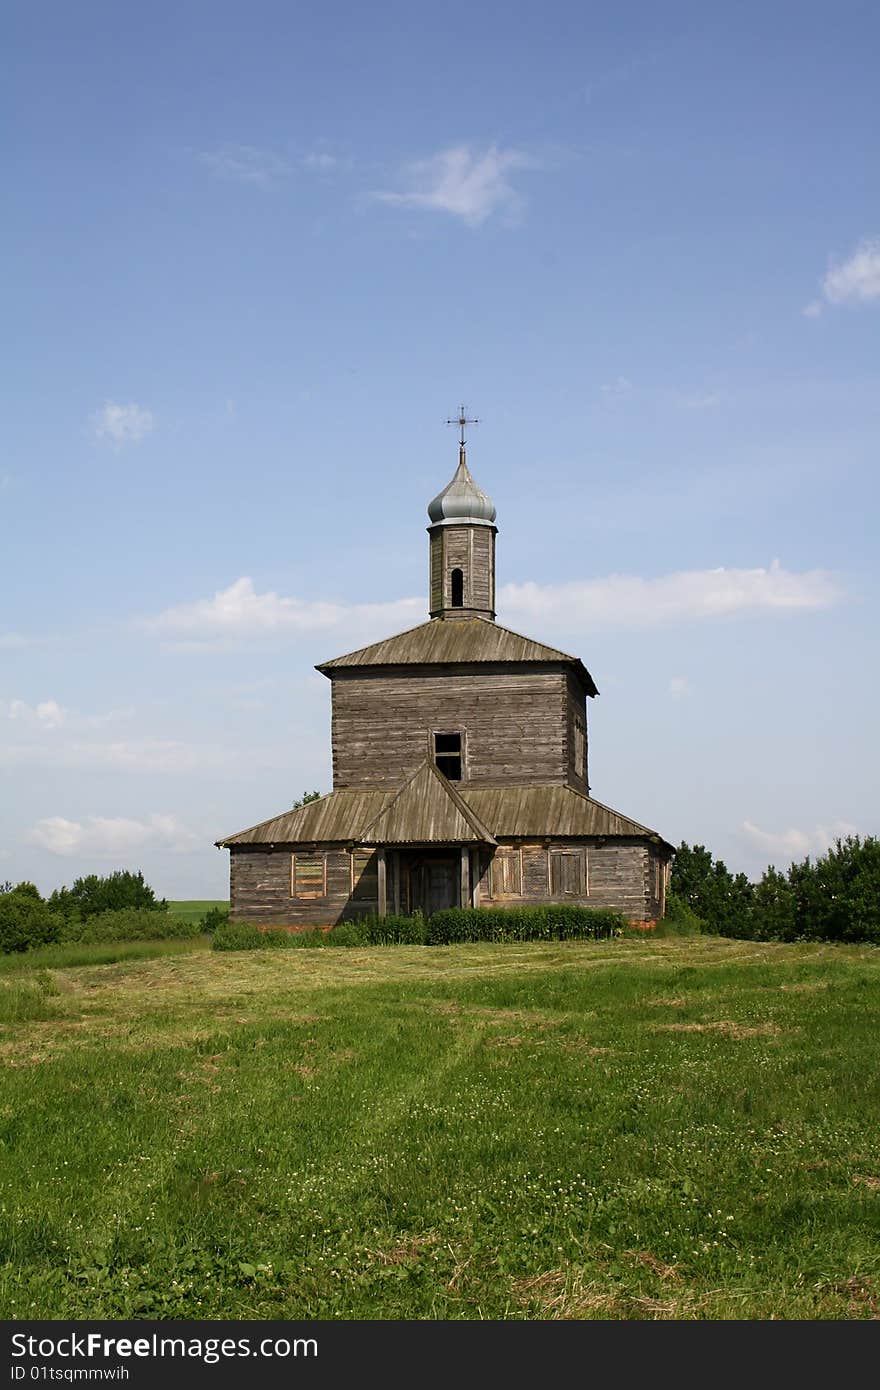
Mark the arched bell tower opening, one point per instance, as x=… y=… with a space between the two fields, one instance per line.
x=462 y=545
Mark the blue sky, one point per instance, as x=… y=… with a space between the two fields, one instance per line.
x=258 y=253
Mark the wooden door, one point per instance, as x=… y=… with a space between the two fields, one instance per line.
x=434 y=884
x=442 y=885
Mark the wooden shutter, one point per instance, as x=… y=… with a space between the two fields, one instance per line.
x=567 y=873
x=506 y=874
x=308 y=876
x=364 y=875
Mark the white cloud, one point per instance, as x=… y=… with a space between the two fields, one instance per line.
x=11 y=641
x=465 y=184
x=240 y=611
x=795 y=844
x=623 y=600
x=246 y=164
x=679 y=686
x=48 y=713
x=109 y=837
x=582 y=605
x=122 y=424
x=853 y=281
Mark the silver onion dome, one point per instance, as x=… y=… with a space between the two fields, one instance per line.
x=462 y=501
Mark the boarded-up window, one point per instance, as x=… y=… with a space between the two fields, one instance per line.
x=580 y=748
x=568 y=873
x=308 y=876
x=505 y=874
x=365 y=875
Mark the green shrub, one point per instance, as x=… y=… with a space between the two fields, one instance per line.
x=244 y=936
x=556 y=922
x=127 y=924
x=393 y=930
x=680 y=918
x=545 y=922
x=215 y=917
x=26 y=921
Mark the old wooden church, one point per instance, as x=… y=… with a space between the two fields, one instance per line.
x=459 y=769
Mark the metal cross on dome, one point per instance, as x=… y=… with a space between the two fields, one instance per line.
x=462 y=421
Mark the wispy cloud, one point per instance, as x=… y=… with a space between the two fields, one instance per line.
x=320 y=161
x=246 y=164
x=104 y=837
x=240 y=611
x=621 y=391
x=466 y=184
x=11 y=641
x=623 y=600
x=48 y=714
x=793 y=844
x=165 y=757
x=679 y=687
x=122 y=424
x=617 y=390
x=853 y=281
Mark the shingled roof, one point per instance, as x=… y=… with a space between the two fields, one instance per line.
x=445 y=641
x=429 y=810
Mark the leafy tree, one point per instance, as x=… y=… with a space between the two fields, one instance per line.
x=838 y=897
x=29 y=890
x=94 y=894
x=776 y=909
x=305 y=799
x=723 y=900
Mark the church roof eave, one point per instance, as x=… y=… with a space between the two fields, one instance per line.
x=464 y=641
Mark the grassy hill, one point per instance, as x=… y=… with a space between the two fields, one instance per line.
x=630 y=1129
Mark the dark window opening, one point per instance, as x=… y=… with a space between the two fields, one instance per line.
x=457 y=578
x=447 y=755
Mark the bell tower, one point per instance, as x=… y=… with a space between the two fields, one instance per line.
x=462 y=544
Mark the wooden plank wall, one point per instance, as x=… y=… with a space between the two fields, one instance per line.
x=515 y=725
x=472 y=550
x=576 y=708
x=435 y=571
x=259 y=889
x=621 y=874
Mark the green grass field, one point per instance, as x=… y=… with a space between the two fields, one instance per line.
x=193 y=909
x=632 y=1129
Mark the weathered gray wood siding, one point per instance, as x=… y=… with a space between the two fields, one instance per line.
x=259 y=889
x=619 y=875
x=515 y=725
x=576 y=713
x=436 y=570
x=472 y=550
x=624 y=875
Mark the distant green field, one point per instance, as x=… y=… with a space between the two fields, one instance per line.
x=191 y=909
x=645 y=1129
